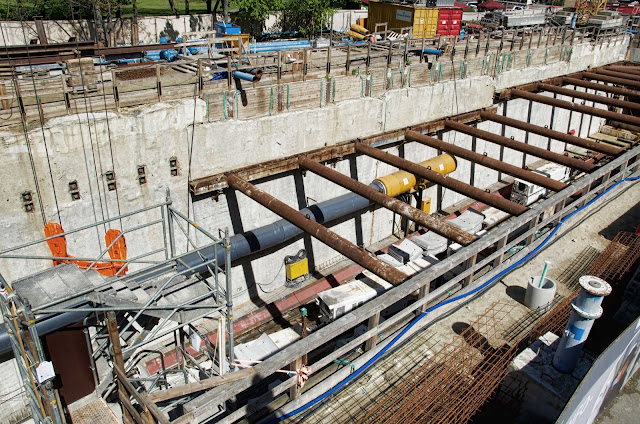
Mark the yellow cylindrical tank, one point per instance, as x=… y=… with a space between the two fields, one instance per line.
x=402 y=181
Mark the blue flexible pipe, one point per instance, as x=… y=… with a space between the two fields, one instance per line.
x=441 y=304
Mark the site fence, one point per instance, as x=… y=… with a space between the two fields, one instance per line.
x=293 y=79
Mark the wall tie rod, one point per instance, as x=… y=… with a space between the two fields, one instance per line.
x=328 y=237
x=601 y=87
x=615 y=74
x=606 y=114
x=475 y=193
x=588 y=96
x=487 y=161
x=556 y=135
x=522 y=147
x=398 y=206
x=613 y=80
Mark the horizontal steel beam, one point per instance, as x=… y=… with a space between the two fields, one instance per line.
x=475 y=193
x=217 y=182
x=601 y=87
x=489 y=162
x=522 y=147
x=606 y=114
x=612 y=80
x=400 y=207
x=625 y=69
x=328 y=237
x=590 y=97
x=615 y=74
x=556 y=135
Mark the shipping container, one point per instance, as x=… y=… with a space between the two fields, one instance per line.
x=449 y=21
x=423 y=21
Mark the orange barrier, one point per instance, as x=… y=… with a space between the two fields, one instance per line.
x=58 y=248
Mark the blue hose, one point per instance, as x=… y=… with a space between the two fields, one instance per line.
x=507 y=270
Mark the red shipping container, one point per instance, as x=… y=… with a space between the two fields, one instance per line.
x=449 y=21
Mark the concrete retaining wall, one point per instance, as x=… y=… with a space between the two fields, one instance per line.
x=151 y=135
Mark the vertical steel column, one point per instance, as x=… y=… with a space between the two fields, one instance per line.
x=229 y=291
x=586 y=309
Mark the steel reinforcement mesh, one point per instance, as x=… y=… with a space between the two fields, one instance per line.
x=456 y=381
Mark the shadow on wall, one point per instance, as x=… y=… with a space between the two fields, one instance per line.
x=169 y=31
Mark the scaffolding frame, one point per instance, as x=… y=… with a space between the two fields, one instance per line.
x=20 y=317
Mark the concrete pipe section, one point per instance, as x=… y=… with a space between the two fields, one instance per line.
x=328 y=237
x=586 y=309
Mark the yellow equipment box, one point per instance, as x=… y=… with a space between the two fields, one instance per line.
x=297 y=269
x=426 y=205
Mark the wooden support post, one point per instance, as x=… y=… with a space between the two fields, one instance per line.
x=329 y=58
x=540 y=37
x=530 y=39
x=279 y=74
x=118 y=361
x=347 y=65
x=471 y=262
x=532 y=224
x=466 y=45
x=229 y=72
x=158 y=83
x=500 y=245
x=294 y=391
x=16 y=88
x=501 y=41
x=424 y=292
x=65 y=93
x=422 y=50
x=513 y=39
x=405 y=56
x=390 y=53
x=373 y=322
x=486 y=48
x=200 y=77
x=114 y=86
x=305 y=64
x=521 y=40
x=368 y=59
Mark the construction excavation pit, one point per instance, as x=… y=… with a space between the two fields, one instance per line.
x=317 y=233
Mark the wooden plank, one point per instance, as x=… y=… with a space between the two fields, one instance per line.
x=142 y=398
x=118 y=361
x=205 y=384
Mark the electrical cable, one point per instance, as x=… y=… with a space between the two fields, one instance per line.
x=84 y=149
x=474 y=291
x=40 y=111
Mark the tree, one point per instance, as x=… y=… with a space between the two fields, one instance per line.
x=307 y=16
x=255 y=12
x=173 y=8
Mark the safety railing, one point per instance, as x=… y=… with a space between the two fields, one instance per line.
x=107 y=88
x=497 y=247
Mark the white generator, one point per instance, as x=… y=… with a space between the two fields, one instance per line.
x=526 y=193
